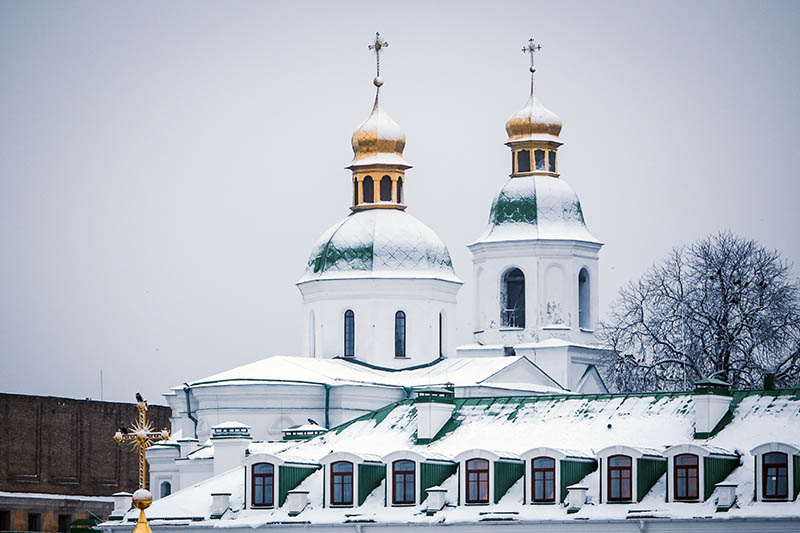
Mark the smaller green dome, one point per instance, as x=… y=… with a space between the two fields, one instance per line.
x=536 y=207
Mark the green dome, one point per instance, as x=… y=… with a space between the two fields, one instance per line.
x=379 y=243
x=536 y=207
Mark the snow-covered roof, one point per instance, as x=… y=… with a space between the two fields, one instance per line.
x=586 y=423
x=461 y=372
x=379 y=243
x=536 y=207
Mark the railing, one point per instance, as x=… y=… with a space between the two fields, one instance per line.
x=513 y=318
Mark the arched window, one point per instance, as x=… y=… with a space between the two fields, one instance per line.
x=342 y=483
x=166 y=489
x=775 y=475
x=687 y=484
x=619 y=478
x=539 y=159
x=513 y=299
x=263 y=485
x=399 y=334
x=477 y=477
x=584 y=300
x=386 y=189
x=523 y=161
x=312 y=335
x=349 y=333
x=551 y=163
x=400 y=190
x=355 y=191
x=441 y=335
x=543 y=473
x=403 y=480
x=368 y=190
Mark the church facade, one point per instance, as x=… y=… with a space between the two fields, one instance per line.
x=383 y=422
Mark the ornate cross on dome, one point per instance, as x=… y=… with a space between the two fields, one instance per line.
x=378 y=45
x=141 y=436
x=531 y=48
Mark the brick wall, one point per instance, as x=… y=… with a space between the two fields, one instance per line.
x=65 y=446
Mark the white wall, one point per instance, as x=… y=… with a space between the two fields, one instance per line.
x=551 y=289
x=375 y=302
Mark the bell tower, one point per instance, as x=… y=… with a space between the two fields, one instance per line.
x=535 y=267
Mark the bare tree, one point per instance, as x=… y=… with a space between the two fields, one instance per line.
x=723 y=307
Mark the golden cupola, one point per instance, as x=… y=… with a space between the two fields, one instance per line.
x=533 y=133
x=534 y=122
x=378 y=165
x=379 y=140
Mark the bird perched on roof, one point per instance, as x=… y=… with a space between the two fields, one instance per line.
x=139 y=398
x=312 y=422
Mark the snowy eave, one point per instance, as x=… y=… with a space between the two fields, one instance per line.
x=379 y=160
x=380 y=274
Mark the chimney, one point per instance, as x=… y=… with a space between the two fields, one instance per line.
x=230 y=440
x=296 y=501
x=123 y=501
x=434 y=408
x=437 y=498
x=220 y=502
x=576 y=498
x=712 y=400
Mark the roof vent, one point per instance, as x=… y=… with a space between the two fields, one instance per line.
x=305 y=431
x=233 y=430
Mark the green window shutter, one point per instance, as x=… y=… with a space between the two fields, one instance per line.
x=648 y=471
x=715 y=470
x=434 y=474
x=290 y=478
x=369 y=478
x=572 y=472
x=505 y=475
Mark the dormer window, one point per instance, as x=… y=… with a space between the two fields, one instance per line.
x=477 y=475
x=263 y=485
x=543 y=472
x=687 y=477
x=403 y=482
x=620 y=478
x=777 y=465
x=539 y=157
x=523 y=161
x=775 y=475
x=342 y=483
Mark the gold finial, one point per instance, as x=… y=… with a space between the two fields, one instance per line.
x=141 y=436
x=531 y=48
x=378 y=45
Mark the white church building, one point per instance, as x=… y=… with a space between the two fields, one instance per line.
x=384 y=422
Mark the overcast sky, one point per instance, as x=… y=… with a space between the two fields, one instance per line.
x=165 y=167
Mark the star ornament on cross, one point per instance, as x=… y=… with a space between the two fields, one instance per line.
x=141 y=436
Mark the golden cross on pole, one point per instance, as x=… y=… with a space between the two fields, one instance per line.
x=378 y=45
x=531 y=48
x=141 y=436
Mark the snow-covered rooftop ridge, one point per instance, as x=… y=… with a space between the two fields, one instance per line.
x=580 y=425
x=461 y=372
